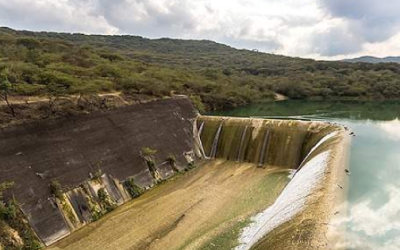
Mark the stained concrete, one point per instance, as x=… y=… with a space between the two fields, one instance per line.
x=71 y=149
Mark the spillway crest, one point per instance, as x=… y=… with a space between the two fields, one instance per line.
x=316 y=154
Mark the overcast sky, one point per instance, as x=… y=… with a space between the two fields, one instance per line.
x=322 y=29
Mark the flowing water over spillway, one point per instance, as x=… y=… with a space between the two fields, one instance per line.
x=312 y=151
x=257 y=141
x=373 y=220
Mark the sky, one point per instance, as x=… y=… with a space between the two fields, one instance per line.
x=320 y=29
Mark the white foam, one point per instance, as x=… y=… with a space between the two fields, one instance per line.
x=290 y=203
x=324 y=139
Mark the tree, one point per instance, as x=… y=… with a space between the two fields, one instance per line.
x=57 y=86
x=6 y=88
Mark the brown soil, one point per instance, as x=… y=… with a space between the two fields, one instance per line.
x=32 y=108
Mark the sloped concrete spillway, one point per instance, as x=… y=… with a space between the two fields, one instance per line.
x=96 y=159
x=317 y=154
x=88 y=153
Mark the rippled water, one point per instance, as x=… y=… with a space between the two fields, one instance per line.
x=373 y=220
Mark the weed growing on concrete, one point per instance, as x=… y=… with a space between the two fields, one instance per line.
x=172 y=161
x=133 y=189
x=66 y=208
x=56 y=190
x=96 y=176
x=105 y=201
x=148 y=155
x=94 y=208
x=190 y=166
x=148 y=152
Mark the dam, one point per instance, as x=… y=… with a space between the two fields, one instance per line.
x=187 y=181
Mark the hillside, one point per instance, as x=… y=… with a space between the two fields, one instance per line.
x=215 y=76
x=371 y=59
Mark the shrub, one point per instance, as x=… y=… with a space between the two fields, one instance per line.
x=96 y=176
x=197 y=102
x=133 y=189
x=148 y=152
x=56 y=189
x=105 y=201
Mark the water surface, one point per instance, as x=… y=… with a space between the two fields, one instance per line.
x=373 y=220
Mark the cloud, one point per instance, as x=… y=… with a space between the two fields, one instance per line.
x=392 y=129
x=336 y=41
x=309 y=28
x=71 y=16
x=370 y=227
x=372 y=20
x=154 y=18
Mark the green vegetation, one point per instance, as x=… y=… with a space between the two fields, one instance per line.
x=56 y=190
x=5 y=89
x=3 y=187
x=148 y=155
x=190 y=166
x=4 y=209
x=15 y=232
x=96 y=176
x=105 y=201
x=68 y=211
x=133 y=189
x=214 y=76
x=172 y=161
x=95 y=210
x=148 y=152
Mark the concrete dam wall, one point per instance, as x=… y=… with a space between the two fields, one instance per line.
x=102 y=160
x=85 y=154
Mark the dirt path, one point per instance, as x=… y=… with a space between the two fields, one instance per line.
x=37 y=99
x=203 y=209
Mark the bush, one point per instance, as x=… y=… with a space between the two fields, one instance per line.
x=133 y=189
x=147 y=152
x=16 y=220
x=105 y=201
x=96 y=176
x=198 y=103
x=56 y=189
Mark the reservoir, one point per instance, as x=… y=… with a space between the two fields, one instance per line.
x=373 y=202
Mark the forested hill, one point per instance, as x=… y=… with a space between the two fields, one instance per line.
x=54 y=65
x=193 y=53
x=371 y=59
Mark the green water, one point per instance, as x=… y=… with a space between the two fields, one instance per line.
x=373 y=220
